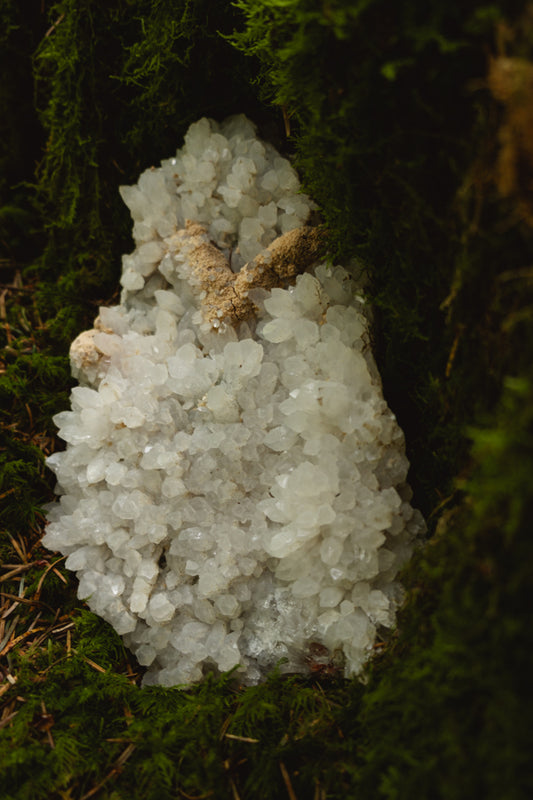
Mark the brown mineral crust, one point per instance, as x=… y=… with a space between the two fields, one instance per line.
x=224 y=294
x=292 y=253
x=288 y=256
x=213 y=274
x=194 y=228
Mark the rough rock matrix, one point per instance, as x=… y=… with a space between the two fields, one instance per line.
x=233 y=488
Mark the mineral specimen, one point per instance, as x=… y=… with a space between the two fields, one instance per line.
x=233 y=488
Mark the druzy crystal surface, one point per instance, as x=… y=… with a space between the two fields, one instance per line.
x=232 y=493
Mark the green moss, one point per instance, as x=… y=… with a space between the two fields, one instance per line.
x=464 y=651
x=395 y=134
x=212 y=738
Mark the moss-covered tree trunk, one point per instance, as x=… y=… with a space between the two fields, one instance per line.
x=411 y=125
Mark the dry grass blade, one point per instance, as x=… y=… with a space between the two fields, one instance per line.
x=241 y=738
x=20 y=548
x=23 y=600
x=6 y=686
x=10 y=628
x=117 y=767
x=18 y=569
x=45 y=724
x=45 y=573
x=92 y=663
x=63 y=628
x=54 y=25
x=235 y=793
x=287 y=781
x=4 y=722
x=320 y=793
x=18 y=639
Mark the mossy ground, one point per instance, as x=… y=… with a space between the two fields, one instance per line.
x=410 y=125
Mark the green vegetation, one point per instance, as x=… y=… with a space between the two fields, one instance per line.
x=410 y=125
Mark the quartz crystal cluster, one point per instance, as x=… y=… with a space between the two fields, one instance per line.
x=233 y=490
